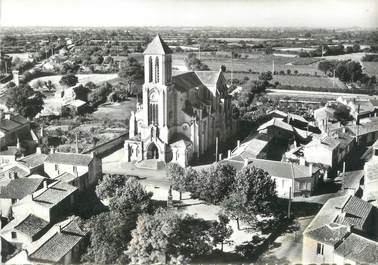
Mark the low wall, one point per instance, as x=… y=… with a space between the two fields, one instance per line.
x=108 y=147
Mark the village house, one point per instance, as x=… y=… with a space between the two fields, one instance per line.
x=17 y=189
x=299 y=179
x=55 y=200
x=44 y=243
x=13 y=128
x=329 y=238
x=182 y=113
x=359 y=108
x=81 y=170
x=371 y=177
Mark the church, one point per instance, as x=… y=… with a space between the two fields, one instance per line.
x=182 y=112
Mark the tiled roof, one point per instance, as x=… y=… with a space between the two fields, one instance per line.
x=69 y=159
x=21 y=187
x=14 y=122
x=14 y=169
x=355 y=213
x=55 y=193
x=253 y=147
x=59 y=244
x=33 y=160
x=157 y=46
x=31 y=225
x=297 y=117
x=358 y=249
x=329 y=233
x=274 y=168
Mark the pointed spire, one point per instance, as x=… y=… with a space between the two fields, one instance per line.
x=157 y=46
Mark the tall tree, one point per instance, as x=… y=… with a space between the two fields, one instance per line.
x=109 y=184
x=132 y=72
x=178 y=177
x=220 y=230
x=253 y=194
x=25 y=100
x=69 y=80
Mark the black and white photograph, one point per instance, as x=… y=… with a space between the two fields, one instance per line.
x=189 y=132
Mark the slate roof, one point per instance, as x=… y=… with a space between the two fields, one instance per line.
x=55 y=193
x=329 y=233
x=359 y=249
x=69 y=159
x=21 y=187
x=278 y=123
x=352 y=179
x=209 y=78
x=355 y=213
x=33 y=160
x=54 y=249
x=14 y=169
x=186 y=81
x=32 y=225
x=157 y=46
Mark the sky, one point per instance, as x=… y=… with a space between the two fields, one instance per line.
x=239 y=13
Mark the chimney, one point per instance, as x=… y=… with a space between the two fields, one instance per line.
x=59 y=228
x=344 y=165
x=18 y=143
x=7 y=116
x=42 y=131
x=220 y=157
x=246 y=161
x=45 y=185
x=229 y=153
x=310 y=169
x=238 y=143
x=38 y=150
x=16 y=77
x=52 y=150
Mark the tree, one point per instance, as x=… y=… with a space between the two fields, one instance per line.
x=69 y=80
x=326 y=66
x=193 y=63
x=132 y=72
x=214 y=183
x=253 y=193
x=177 y=176
x=81 y=92
x=220 y=230
x=25 y=100
x=266 y=76
x=342 y=113
x=168 y=238
x=131 y=198
x=109 y=184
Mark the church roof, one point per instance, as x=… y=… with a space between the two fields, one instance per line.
x=209 y=78
x=186 y=81
x=157 y=46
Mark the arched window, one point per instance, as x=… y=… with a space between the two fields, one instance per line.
x=157 y=70
x=150 y=69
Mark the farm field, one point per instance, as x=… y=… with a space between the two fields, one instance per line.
x=83 y=78
x=292 y=80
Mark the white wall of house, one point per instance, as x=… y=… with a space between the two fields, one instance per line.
x=309 y=252
x=318 y=154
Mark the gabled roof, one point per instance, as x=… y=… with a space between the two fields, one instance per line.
x=54 y=194
x=186 y=81
x=359 y=249
x=157 y=46
x=69 y=159
x=20 y=188
x=33 y=160
x=329 y=233
x=54 y=249
x=12 y=122
x=355 y=212
x=209 y=78
x=253 y=147
x=277 y=123
x=31 y=225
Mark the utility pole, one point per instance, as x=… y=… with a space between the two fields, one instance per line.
x=216 y=149
x=273 y=68
x=232 y=67
x=333 y=80
x=289 y=205
x=199 y=51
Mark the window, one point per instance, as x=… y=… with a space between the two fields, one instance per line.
x=150 y=69
x=14 y=235
x=320 y=249
x=157 y=70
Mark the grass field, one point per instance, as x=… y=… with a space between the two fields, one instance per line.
x=116 y=111
x=371 y=68
x=83 y=78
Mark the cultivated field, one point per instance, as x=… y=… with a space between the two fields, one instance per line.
x=371 y=68
x=116 y=111
x=293 y=80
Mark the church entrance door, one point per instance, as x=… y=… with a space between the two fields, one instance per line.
x=152 y=151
